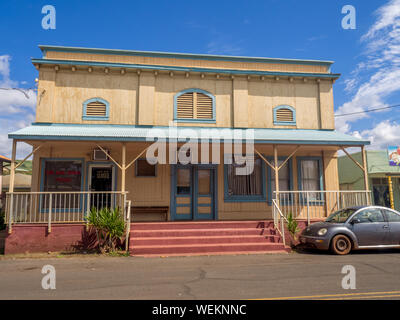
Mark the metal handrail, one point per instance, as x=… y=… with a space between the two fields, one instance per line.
x=281 y=220
x=128 y=223
x=316 y=204
x=67 y=192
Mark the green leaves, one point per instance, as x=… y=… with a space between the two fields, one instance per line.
x=292 y=225
x=109 y=225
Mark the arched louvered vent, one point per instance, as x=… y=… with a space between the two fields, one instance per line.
x=284 y=115
x=95 y=109
x=195 y=105
x=204 y=106
x=185 y=104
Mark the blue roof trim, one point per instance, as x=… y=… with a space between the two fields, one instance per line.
x=139 y=133
x=184 y=69
x=175 y=55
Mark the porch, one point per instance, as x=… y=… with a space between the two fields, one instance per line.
x=47 y=221
x=75 y=169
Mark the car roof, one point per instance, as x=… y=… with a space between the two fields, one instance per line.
x=368 y=206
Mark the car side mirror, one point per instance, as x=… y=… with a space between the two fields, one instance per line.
x=355 y=220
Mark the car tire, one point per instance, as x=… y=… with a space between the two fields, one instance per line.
x=341 y=244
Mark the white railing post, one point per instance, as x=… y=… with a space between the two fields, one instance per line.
x=283 y=231
x=337 y=200
x=308 y=209
x=11 y=209
x=50 y=211
x=87 y=210
x=128 y=224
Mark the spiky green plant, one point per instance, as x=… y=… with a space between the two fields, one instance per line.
x=292 y=225
x=109 y=226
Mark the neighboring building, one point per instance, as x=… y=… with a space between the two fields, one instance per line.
x=96 y=101
x=384 y=180
x=3 y=160
x=22 y=182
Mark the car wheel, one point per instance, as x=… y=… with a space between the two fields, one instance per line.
x=341 y=244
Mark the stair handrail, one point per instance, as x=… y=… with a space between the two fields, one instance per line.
x=128 y=223
x=279 y=220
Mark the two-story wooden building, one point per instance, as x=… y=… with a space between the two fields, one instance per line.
x=100 y=110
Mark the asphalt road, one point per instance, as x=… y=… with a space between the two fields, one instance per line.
x=297 y=276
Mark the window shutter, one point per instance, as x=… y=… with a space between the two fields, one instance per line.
x=284 y=115
x=185 y=106
x=204 y=106
x=96 y=109
x=194 y=105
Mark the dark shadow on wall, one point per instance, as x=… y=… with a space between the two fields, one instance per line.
x=88 y=242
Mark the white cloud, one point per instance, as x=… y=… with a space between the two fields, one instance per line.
x=17 y=107
x=224 y=46
x=384 y=134
x=376 y=78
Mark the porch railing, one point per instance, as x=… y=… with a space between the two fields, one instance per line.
x=279 y=220
x=59 y=207
x=318 y=204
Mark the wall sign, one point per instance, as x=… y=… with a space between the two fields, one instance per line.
x=394 y=155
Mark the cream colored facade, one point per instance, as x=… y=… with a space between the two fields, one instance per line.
x=140 y=90
x=139 y=97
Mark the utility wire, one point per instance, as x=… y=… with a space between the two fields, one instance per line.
x=22 y=90
x=366 y=111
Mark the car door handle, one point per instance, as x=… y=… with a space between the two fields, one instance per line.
x=385 y=227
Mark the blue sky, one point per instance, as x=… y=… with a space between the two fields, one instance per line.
x=310 y=29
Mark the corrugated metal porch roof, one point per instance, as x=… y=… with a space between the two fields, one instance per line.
x=93 y=132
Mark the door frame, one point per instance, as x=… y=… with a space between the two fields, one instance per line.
x=98 y=164
x=194 y=195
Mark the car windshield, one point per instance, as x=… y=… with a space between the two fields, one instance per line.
x=340 y=216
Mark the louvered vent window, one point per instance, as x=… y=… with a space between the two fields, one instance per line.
x=95 y=109
x=194 y=105
x=284 y=115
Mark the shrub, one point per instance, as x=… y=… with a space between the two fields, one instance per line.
x=2 y=220
x=109 y=226
x=292 y=225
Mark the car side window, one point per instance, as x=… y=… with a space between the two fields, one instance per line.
x=370 y=215
x=392 y=216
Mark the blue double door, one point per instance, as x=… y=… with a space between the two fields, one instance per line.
x=193 y=192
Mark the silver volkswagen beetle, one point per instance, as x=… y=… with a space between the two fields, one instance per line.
x=364 y=227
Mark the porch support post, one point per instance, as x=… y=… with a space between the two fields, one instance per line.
x=288 y=158
x=391 y=192
x=365 y=169
x=276 y=172
x=12 y=169
x=26 y=158
x=123 y=167
x=11 y=185
x=265 y=160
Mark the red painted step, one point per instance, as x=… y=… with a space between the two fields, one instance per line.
x=204 y=237
x=200 y=225
x=205 y=248
x=201 y=232
x=199 y=240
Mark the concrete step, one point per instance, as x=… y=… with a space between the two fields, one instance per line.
x=216 y=253
x=205 y=248
x=200 y=225
x=189 y=240
x=201 y=232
